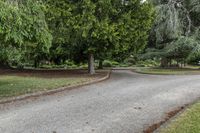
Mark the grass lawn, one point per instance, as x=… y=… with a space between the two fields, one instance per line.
x=17 y=85
x=188 y=122
x=180 y=71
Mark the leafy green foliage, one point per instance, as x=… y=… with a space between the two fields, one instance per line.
x=174 y=35
x=10 y=23
x=134 y=22
x=108 y=63
x=10 y=55
x=102 y=28
x=148 y=63
x=23 y=26
x=76 y=29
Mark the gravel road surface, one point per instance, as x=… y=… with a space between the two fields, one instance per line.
x=126 y=103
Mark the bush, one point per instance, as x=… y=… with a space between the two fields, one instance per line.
x=83 y=66
x=124 y=65
x=148 y=63
x=115 y=63
x=130 y=61
x=141 y=65
x=58 y=66
x=20 y=66
x=69 y=63
x=11 y=56
x=73 y=66
x=45 y=66
x=107 y=63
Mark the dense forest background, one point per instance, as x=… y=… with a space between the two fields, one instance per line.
x=175 y=34
x=89 y=33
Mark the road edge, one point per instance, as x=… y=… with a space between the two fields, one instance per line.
x=169 y=116
x=53 y=91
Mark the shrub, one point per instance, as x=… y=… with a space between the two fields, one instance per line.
x=115 y=63
x=147 y=63
x=69 y=63
x=73 y=66
x=83 y=66
x=130 y=61
x=107 y=63
x=141 y=65
x=45 y=66
x=124 y=65
x=20 y=66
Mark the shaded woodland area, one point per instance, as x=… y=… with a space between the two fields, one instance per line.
x=97 y=33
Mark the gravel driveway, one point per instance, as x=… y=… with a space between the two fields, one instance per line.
x=126 y=103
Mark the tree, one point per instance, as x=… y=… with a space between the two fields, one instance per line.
x=59 y=18
x=94 y=28
x=174 y=26
x=103 y=25
x=135 y=20
x=23 y=27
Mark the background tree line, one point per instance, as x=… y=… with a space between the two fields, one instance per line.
x=32 y=31
x=175 y=34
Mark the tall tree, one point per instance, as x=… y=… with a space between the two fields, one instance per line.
x=174 y=26
x=93 y=28
x=135 y=19
x=23 y=27
x=59 y=18
x=111 y=24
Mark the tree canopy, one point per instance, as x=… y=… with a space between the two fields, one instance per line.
x=94 y=28
x=175 y=29
x=23 y=28
x=81 y=31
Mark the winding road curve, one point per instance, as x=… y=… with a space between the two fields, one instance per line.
x=126 y=103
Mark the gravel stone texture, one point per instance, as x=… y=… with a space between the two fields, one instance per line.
x=126 y=103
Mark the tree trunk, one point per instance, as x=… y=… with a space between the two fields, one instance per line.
x=100 y=64
x=91 y=69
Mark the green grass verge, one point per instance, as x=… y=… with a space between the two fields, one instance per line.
x=188 y=122
x=11 y=86
x=160 y=71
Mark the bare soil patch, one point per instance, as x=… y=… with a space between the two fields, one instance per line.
x=51 y=73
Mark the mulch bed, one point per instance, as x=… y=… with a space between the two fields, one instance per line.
x=50 y=73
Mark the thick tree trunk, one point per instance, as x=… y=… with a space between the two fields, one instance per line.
x=100 y=64
x=91 y=68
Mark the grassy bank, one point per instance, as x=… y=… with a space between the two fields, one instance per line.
x=161 y=71
x=18 y=85
x=188 y=122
